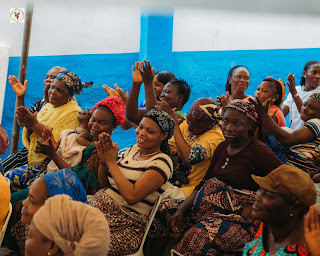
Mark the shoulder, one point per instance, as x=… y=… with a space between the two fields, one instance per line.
x=313 y=125
x=161 y=163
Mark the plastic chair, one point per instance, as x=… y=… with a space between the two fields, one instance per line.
x=151 y=217
x=3 y=231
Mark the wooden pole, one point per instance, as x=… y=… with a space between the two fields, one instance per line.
x=22 y=70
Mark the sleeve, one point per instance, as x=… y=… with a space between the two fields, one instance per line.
x=313 y=125
x=36 y=107
x=288 y=100
x=163 y=165
x=205 y=147
x=264 y=159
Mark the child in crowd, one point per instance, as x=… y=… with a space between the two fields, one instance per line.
x=72 y=142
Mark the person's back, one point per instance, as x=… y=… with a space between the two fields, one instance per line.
x=5 y=196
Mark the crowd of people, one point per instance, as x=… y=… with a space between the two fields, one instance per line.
x=231 y=173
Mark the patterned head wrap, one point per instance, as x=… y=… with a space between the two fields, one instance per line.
x=58 y=68
x=72 y=82
x=117 y=107
x=205 y=110
x=65 y=182
x=316 y=96
x=246 y=108
x=76 y=228
x=165 y=122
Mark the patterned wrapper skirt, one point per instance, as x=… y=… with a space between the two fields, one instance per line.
x=126 y=226
x=214 y=225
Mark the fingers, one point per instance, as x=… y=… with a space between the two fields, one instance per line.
x=228 y=95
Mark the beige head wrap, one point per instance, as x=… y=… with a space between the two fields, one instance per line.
x=75 y=227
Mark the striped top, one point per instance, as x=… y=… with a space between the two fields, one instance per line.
x=133 y=169
x=302 y=161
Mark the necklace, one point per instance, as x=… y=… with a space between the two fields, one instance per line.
x=152 y=154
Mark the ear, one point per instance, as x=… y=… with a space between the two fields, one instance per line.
x=294 y=210
x=180 y=99
x=275 y=97
x=54 y=249
x=304 y=74
x=164 y=135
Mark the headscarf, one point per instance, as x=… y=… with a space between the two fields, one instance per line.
x=165 y=122
x=205 y=110
x=316 y=96
x=117 y=107
x=76 y=228
x=65 y=182
x=58 y=68
x=246 y=108
x=73 y=82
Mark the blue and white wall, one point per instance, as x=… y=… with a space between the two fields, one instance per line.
x=100 y=42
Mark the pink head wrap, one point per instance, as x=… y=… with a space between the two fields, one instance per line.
x=117 y=107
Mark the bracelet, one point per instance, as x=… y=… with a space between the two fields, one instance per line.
x=296 y=95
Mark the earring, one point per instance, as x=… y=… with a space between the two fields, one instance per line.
x=291 y=215
x=49 y=253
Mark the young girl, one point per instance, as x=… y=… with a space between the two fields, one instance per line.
x=309 y=84
x=274 y=91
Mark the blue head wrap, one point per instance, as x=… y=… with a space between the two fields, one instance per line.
x=65 y=182
x=73 y=82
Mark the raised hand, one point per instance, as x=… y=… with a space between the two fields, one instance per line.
x=163 y=105
x=107 y=151
x=292 y=84
x=45 y=148
x=146 y=72
x=48 y=136
x=223 y=100
x=261 y=108
x=136 y=76
x=110 y=91
x=19 y=89
x=123 y=95
x=46 y=92
x=26 y=118
x=312 y=231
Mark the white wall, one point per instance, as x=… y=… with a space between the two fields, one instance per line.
x=72 y=27
x=4 y=60
x=214 y=30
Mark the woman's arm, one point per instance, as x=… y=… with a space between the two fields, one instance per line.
x=150 y=181
x=299 y=136
x=292 y=89
x=133 y=113
x=147 y=77
x=285 y=110
x=103 y=175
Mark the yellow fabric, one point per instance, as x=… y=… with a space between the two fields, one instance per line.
x=58 y=119
x=209 y=140
x=5 y=197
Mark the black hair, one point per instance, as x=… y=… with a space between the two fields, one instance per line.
x=183 y=89
x=305 y=69
x=164 y=76
x=164 y=147
x=276 y=90
x=228 y=85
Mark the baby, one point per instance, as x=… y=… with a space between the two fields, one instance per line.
x=73 y=142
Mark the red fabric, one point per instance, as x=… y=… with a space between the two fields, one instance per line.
x=4 y=140
x=116 y=105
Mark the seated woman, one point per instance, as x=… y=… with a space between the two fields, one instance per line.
x=20 y=157
x=175 y=92
x=106 y=115
x=215 y=217
x=195 y=141
x=301 y=141
x=237 y=83
x=61 y=182
x=60 y=114
x=309 y=84
x=283 y=199
x=135 y=181
x=65 y=227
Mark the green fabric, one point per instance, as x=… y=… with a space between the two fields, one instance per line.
x=19 y=195
x=183 y=115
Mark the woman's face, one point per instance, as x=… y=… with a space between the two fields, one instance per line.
x=38 y=194
x=240 y=79
x=102 y=120
x=170 y=95
x=310 y=109
x=270 y=207
x=196 y=126
x=149 y=134
x=235 y=126
x=37 y=244
x=58 y=93
x=312 y=76
x=51 y=75
x=157 y=86
x=265 y=92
